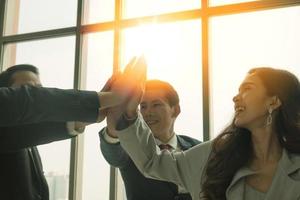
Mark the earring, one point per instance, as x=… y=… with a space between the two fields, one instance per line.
x=269 y=118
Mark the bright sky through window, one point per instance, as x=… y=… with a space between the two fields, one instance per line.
x=165 y=46
x=150 y=40
x=173 y=54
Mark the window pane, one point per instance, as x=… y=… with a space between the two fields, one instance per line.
x=98 y=59
x=138 y=8
x=240 y=42
x=98 y=11
x=175 y=58
x=35 y=15
x=55 y=60
x=224 y=2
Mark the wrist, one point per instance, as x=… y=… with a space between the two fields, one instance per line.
x=109 y=99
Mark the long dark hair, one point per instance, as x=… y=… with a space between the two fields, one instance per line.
x=232 y=149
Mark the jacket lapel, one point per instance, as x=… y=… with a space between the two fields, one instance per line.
x=284 y=186
x=183 y=144
x=236 y=188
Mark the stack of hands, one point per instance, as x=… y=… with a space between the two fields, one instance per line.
x=121 y=95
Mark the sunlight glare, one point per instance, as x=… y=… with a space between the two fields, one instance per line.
x=150 y=41
x=173 y=54
x=167 y=47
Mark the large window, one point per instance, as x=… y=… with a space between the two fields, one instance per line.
x=98 y=60
x=174 y=58
x=34 y=15
x=264 y=38
x=204 y=48
x=55 y=60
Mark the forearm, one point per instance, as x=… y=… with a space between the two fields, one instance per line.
x=113 y=153
x=109 y=99
x=29 y=104
x=138 y=141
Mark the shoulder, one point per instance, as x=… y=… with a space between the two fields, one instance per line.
x=197 y=156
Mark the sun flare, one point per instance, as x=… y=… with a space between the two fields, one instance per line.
x=172 y=51
x=156 y=42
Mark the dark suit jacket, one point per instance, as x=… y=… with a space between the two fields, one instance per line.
x=137 y=186
x=31 y=116
x=21 y=172
x=29 y=104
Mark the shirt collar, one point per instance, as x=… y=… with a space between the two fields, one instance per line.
x=172 y=142
x=289 y=162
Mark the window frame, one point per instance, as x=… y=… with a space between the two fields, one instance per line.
x=204 y=13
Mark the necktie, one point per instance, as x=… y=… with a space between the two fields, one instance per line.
x=165 y=146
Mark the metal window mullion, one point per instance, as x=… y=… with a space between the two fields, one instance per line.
x=191 y=14
x=77 y=143
x=40 y=35
x=162 y=18
x=2 y=13
x=113 y=184
x=205 y=71
x=207 y=13
x=250 y=6
x=117 y=35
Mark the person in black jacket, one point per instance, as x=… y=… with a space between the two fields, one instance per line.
x=159 y=108
x=31 y=115
x=21 y=172
x=30 y=104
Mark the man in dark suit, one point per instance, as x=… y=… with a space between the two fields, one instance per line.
x=21 y=172
x=30 y=116
x=29 y=104
x=160 y=108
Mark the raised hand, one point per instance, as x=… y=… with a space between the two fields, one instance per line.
x=140 y=72
x=130 y=86
x=111 y=98
x=107 y=99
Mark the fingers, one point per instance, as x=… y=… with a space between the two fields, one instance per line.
x=128 y=87
x=140 y=69
x=109 y=82
x=136 y=69
x=101 y=115
x=130 y=65
x=133 y=103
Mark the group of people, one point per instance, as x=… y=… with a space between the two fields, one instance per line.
x=255 y=157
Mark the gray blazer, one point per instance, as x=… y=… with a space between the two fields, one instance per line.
x=136 y=185
x=186 y=168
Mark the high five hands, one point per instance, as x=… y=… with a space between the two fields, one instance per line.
x=129 y=86
x=121 y=94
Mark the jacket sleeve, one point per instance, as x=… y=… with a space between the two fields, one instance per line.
x=29 y=104
x=183 y=168
x=19 y=137
x=114 y=154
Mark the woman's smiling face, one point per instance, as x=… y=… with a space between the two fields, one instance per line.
x=251 y=104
